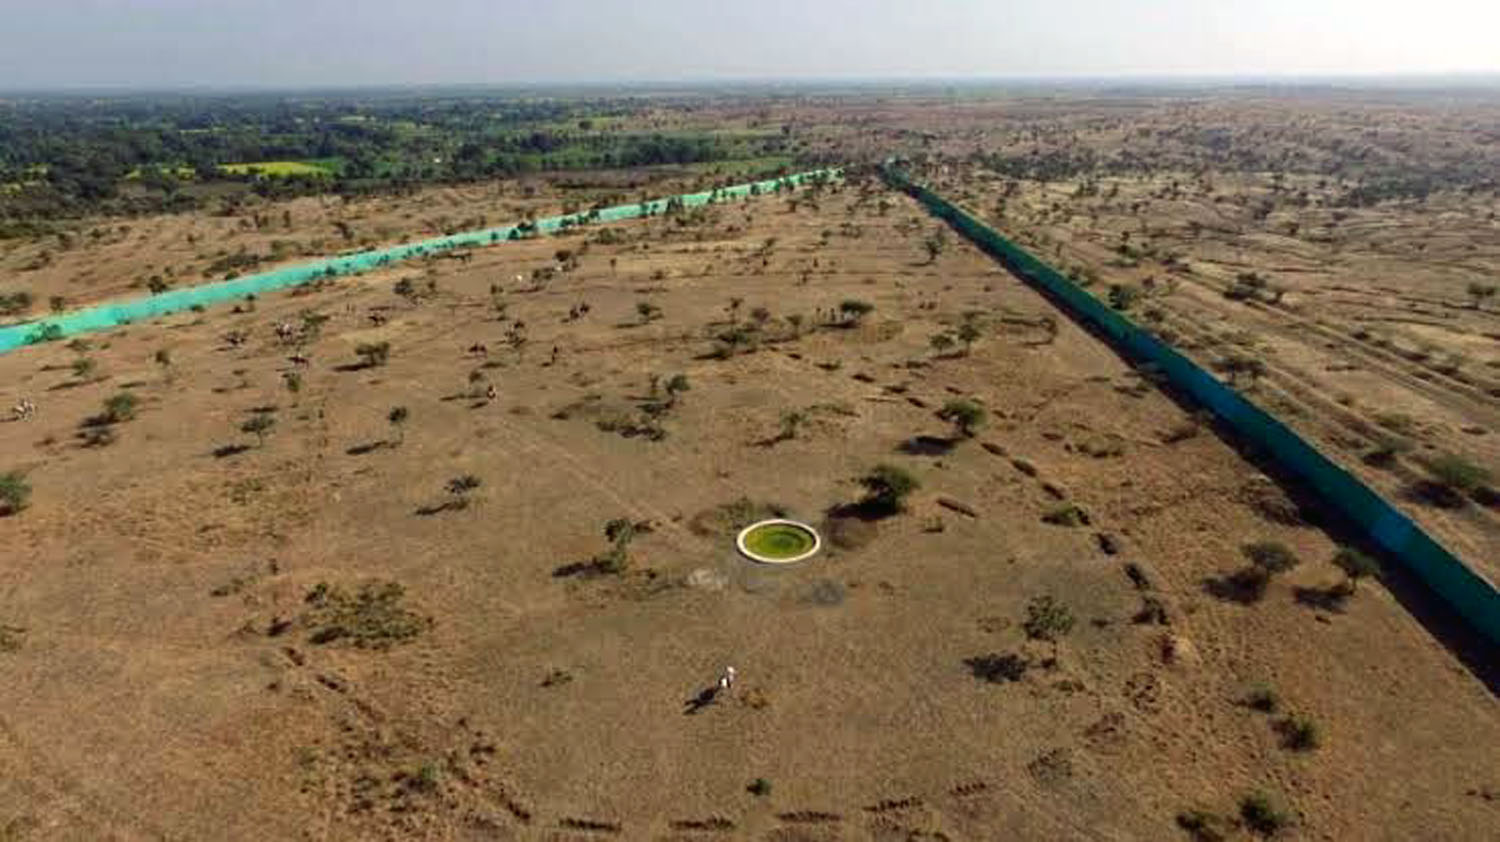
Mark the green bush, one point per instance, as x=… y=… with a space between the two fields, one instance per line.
x=887 y=487
x=1262 y=698
x=1271 y=556
x=120 y=407
x=1300 y=733
x=965 y=416
x=14 y=492
x=374 y=353
x=1047 y=619
x=1355 y=564
x=1262 y=814
x=1457 y=473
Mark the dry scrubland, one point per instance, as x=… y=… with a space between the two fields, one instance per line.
x=349 y=622
x=1338 y=259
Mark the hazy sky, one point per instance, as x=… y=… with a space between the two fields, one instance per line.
x=52 y=43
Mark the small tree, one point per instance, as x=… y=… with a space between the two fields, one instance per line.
x=259 y=425
x=84 y=367
x=1262 y=814
x=619 y=532
x=120 y=407
x=935 y=244
x=14 y=492
x=1300 y=733
x=397 y=419
x=853 y=311
x=965 y=416
x=791 y=421
x=1123 y=296
x=293 y=382
x=1457 y=475
x=1271 y=556
x=375 y=354
x=1481 y=292
x=675 y=386
x=163 y=359
x=1243 y=364
x=1356 y=565
x=647 y=311
x=968 y=333
x=887 y=487
x=942 y=343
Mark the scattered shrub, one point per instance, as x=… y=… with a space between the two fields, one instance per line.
x=965 y=416
x=375 y=354
x=1355 y=564
x=1047 y=619
x=1300 y=733
x=1262 y=698
x=14 y=492
x=259 y=425
x=1270 y=556
x=1262 y=814
x=996 y=668
x=887 y=487
x=120 y=407
x=372 y=617
x=1066 y=514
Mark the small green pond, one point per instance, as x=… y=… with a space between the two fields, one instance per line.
x=779 y=540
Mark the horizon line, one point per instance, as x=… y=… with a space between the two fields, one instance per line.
x=1463 y=78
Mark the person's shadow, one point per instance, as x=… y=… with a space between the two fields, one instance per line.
x=705 y=697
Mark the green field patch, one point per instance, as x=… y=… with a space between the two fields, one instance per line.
x=279 y=168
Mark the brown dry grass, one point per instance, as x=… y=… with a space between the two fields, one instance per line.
x=166 y=685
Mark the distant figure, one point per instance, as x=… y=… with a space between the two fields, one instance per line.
x=726 y=680
x=554 y=355
x=490 y=392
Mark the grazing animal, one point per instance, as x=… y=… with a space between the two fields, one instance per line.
x=300 y=360
x=479 y=350
x=24 y=410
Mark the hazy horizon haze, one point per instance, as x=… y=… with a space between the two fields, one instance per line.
x=50 y=44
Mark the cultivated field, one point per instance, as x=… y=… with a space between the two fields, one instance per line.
x=352 y=622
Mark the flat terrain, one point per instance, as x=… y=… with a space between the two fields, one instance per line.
x=1344 y=254
x=201 y=639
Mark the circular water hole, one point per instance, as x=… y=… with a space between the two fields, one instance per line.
x=778 y=541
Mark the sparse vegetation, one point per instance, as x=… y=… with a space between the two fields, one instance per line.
x=120 y=407
x=372 y=616
x=15 y=492
x=1047 y=619
x=260 y=425
x=374 y=354
x=1262 y=814
x=1299 y=733
x=887 y=487
x=397 y=418
x=965 y=416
